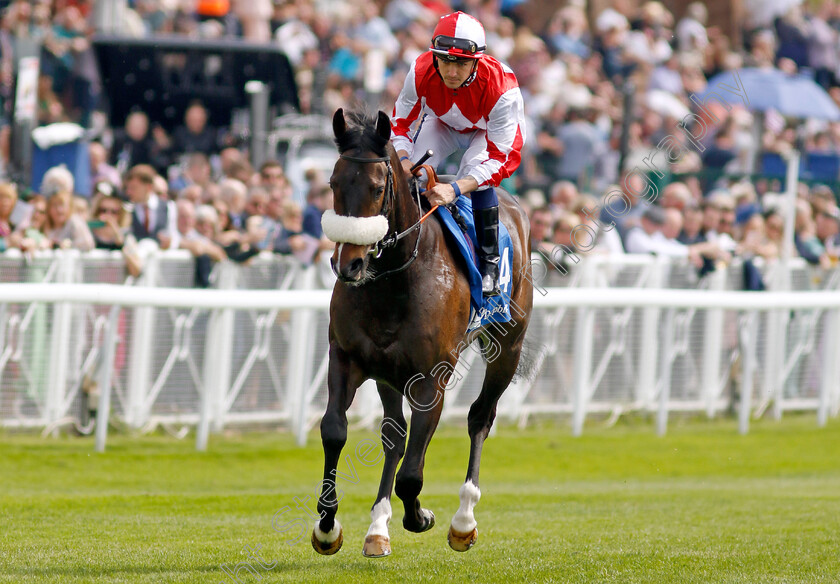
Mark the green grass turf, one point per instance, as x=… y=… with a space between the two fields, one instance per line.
x=701 y=504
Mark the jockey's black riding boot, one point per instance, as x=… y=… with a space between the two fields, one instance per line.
x=487 y=230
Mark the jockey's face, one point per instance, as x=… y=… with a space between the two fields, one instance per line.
x=454 y=73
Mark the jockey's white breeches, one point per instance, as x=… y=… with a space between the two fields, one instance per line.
x=443 y=141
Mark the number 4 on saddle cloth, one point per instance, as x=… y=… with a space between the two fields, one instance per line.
x=483 y=310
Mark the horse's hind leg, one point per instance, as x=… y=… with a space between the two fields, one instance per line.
x=343 y=380
x=426 y=403
x=393 y=432
x=500 y=371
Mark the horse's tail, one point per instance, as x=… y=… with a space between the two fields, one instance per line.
x=530 y=357
x=529 y=360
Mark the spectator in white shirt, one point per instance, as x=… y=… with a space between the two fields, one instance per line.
x=691 y=30
x=649 y=236
x=658 y=233
x=198 y=229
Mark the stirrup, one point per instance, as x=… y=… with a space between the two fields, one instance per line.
x=490 y=285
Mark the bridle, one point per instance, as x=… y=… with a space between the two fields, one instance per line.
x=391 y=240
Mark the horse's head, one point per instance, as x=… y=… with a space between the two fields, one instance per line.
x=363 y=184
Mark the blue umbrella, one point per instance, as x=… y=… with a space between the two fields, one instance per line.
x=791 y=95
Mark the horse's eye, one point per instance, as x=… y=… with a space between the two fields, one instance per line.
x=379 y=191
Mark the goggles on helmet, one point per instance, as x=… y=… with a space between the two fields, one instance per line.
x=455 y=47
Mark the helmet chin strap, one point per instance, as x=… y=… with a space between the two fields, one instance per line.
x=471 y=78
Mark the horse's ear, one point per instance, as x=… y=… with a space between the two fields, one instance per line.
x=339 y=125
x=383 y=126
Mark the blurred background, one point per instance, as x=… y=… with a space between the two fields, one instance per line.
x=175 y=144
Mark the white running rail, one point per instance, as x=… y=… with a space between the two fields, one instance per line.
x=609 y=338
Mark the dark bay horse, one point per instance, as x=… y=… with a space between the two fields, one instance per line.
x=399 y=315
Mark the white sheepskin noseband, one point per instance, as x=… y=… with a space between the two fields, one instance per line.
x=355 y=230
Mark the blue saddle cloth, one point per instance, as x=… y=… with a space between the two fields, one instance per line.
x=482 y=310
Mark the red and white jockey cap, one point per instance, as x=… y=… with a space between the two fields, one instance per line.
x=458 y=36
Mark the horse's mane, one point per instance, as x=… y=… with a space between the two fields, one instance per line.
x=361 y=134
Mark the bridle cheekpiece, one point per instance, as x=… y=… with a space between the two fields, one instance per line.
x=389 y=239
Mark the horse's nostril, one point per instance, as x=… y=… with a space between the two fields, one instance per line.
x=354 y=267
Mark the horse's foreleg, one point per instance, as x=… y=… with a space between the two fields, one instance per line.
x=343 y=380
x=426 y=403
x=393 y=432
x=462 y=530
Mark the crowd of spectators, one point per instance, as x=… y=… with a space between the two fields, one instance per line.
x=707 y=231
x=579 y=73
x=223 y=218
x=716 y=201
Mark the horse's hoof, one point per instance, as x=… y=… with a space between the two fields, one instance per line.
x=328 y=548
x=376 y=546
x=431 y=522
x=461 y=542
x=427 y=524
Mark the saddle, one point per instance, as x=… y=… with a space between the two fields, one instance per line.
x=456 y=214
x=458 y=224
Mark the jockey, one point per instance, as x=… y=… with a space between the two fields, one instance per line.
x=464 y=99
